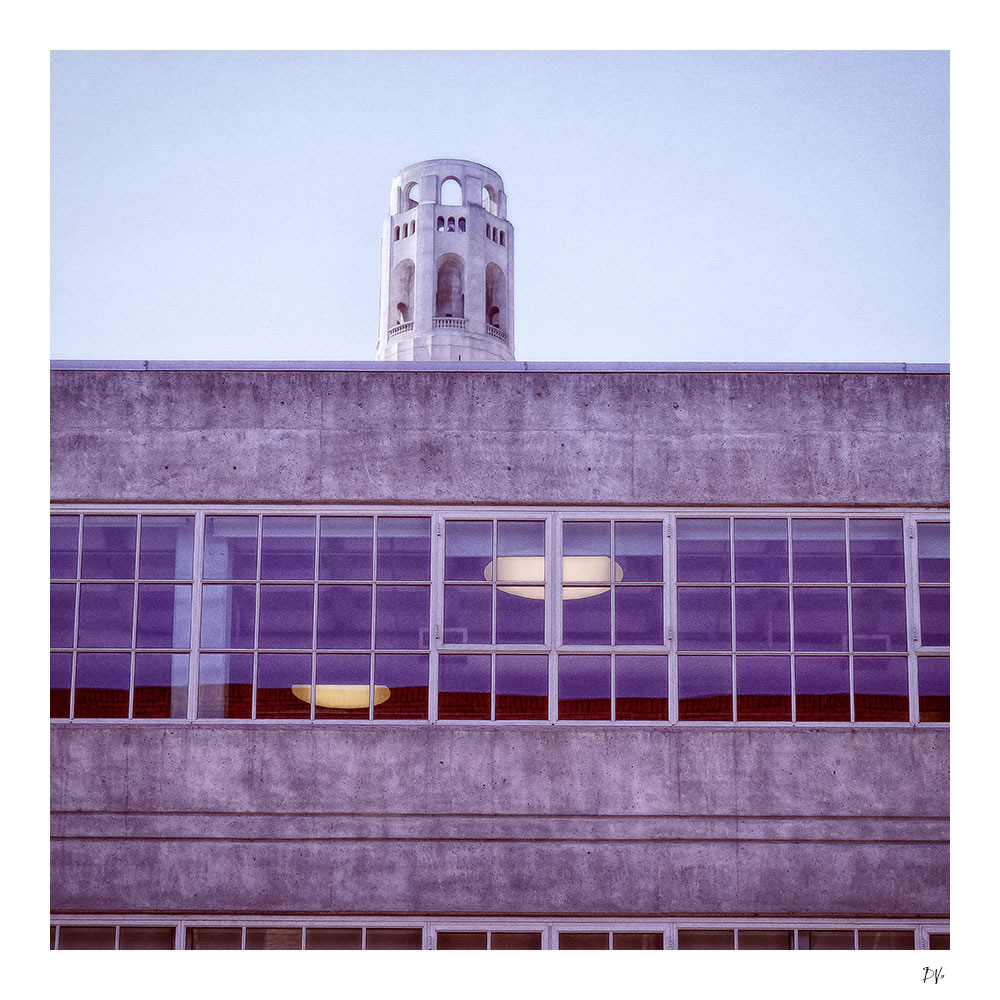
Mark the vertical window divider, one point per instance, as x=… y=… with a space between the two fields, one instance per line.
x=243 y=928
x=302 y=940
x=135 y=619
x=493 y=685
x=732 y=609
x=494 y=596
x=614 y=595
x=371 y=645
x=256 y=622
x=791 y=622
x=435 y=636
x=76 y=617
x=911 y=581
x=197 y=589
x=118 y=935
x=315 y=632
x=553 y=605
x=850 y=626
x=670 y=585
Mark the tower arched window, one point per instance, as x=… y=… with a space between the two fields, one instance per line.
x=451 y=192
x=440 y=223
x=450 y=289
x=451 y=225
x=494 y=234
x=487 y=230
x=501 y=237
x=496 y=296
x=406 y=230
x=461 y=225
x=396 y=237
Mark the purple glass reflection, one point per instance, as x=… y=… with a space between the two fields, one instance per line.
x=288 y=548
x=705 y=688
x=225 y=685
x=166 y=548
x=935 y=616
x=879 y=619
x=761 y=550
x=820 y=618
x=702 y=550
x=62 y=606
x=639 y=616
x=520 y=538
x=822 y=689
x=639 y=550
x=819 y=550
x=880 y=689
x=587 y=538
x=345 y=548
x=876 y=551
x=522 y=686
x=345 y=617
x=404 y=548
x=63 y=530
x=519 y=619
x=586 y=620
x=468 y=614
x=102 y=682
x=933 y=551
x=762 y=618
x=60 y=672
x=161 y=686
x=704 y=618
x=464 y=687
x=108 y=548
x=763 y=689
x=284 y=685
x=402 y=617
x=468 y=550
x=230 y=548
x=286 y=617
x=405 y=675
x=105 y=615
x=641 y=688
x=934 y=686
x=163 y=618
x=227 y=616
x=340 y=671
x=584 y=687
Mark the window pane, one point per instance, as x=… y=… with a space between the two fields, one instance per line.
x=765 y=940
x=880 y=689
x=577 y=941
x=62 y=605
x=639 y=616
x=761 y=550
x=86 y=938
x=705 y=940
x=933 y=551
x=702 y=550
x=763 y=689
x=274 y=939
x=288 y=548
x=62 y=546
x=225 y=683
x=516 y=941
x=885 y=940
x=230 y=548
x=344 y=617
x=464 y=687
x=879 y=619
x=705 y=688
x=819 y=551
x=227 y=614
x=404 y=548
x=762 y=618
x=284 y=685
x=637 y=941
x=939 y=942
x=345 y=548
x=822 y=689
x=876 y=551
x=520 y=538
x=393 y=939
x=405 y=678
x=163 y=618
x=519 y=619
x=214 y=938
x=521 y=558
x=826 y=940
x=333 y=939
x=461 y=941
x=586 y=619
x=933 y=683
x=166 y=548
x=286 y=617
x=639 y=550
x=106 y=615
x=146 y=939
x=342 y=686
x=60 y=672
x=468 y=551
x=704 y=618
x=161 y=686
x=641 y=688
x=402 y=617
x=102 y=681
x=820 y=618
x=468 y=614
x=108 y=548
x=935 y=616
x=586 y=551
x=584 y=687
x=522 y=687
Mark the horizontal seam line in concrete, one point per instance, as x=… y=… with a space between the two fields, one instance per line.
x=381 y=502
x=418 y=839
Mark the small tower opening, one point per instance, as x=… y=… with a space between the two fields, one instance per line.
x=401 y=293
x=450 y=298
x=496 y=296
x=411 y=196
x=490 y=199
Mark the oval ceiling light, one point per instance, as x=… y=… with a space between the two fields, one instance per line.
x=528 y=572
x=341 y=695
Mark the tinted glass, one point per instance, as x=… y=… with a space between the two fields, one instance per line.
x=935 y=616
x=636 y=941
x=288 y=548
x=284 y=685
x=639 y=550
x=826 y=940
x=108 y=548
x=516 y=941
x=765 y=940
x=286 y=617
x=703 y=550
x=763 y=689
x=145 y=938
x=402 y=617
x=586 y=620
x=214 y=938
x=163 y=618
x=342 y=686
x=404 y=548
x=102 y=683
x=344 y=617
x=933 y=551
x=62 y=606
x=60 y=672
x=713 y=940
x=705 y=688
x=641 y=688
x=885 y=941
x=520 y=538
x=579 y=941
x=587 y=551
x=274 y=939
x=52 y=938
x=225 y=685
x=468 y=551
x=638 y=616
x=880 y=689
x=464 y=687
x=405 y=678
x=819 y=550
x=333 y=939
x=105 y=615
x=230 y=548
x=822 y=689
x=393 y=939
x=704 y=618
x=345 y=548
x=166 y=548
x=820 y=618
x=519 y=619
x=86 y=938
x=461 y=940
x=522 y=687
x=933 y=683
x=63 y=529
x=879 y=619
x=762 y=618
x=227 y=616
x=468 y=614
x=584 y=687
x=161 y=686
x=761 y=550
x=939 y=942
x=876 y=551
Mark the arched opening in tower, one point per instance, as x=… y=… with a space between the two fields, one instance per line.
x=401 y=293
x=496 y=296
x=450 y=299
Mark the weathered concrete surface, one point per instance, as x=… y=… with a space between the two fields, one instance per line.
x=624 y=821
x=501 y=437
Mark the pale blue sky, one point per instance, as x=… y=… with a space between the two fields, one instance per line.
x=692 y=206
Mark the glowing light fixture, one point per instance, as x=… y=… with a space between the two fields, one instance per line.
x=341 y=695
x=529 y=572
